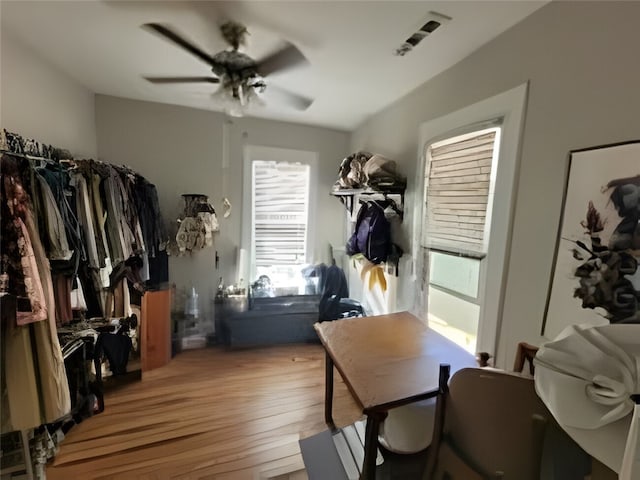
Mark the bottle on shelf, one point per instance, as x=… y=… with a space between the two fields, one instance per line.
x=191 y=305
x=220 y=291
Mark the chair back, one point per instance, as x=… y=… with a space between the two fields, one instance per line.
x=334 y=302
x=493 y=427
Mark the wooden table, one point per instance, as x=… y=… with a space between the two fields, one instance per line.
x=386 y=361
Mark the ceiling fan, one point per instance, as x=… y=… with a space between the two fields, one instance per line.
x=240 y=77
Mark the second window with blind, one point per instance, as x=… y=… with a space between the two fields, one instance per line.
x=279 y=222
x=460 y=174
x=278 y=234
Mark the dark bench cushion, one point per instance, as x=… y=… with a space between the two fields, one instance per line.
x=273 y=320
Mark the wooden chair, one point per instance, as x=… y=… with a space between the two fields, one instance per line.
x=489 y=424
x=525 y=353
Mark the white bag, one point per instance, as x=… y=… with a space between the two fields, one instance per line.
x=78 y=301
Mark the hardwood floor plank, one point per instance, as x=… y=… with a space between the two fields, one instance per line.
x=208 y=414
x=282 y=469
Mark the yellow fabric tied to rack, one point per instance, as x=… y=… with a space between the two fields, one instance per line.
x=376 y=275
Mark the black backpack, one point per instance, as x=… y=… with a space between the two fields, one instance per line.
x=372 y=235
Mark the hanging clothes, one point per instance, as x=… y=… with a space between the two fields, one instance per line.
x=89 y=272
x=119 y=235
x=62 y=294
x=37 y=392
x=77 y=220
x=155 y=269
x=89 y=278
x=52 y=228
x=132 y=214
x=17 y=250
x=20 y=393
x=148 y=207
x=85 y=219
x=158 y=269
x=94 y=181
x=64 y=195
x=52 y=376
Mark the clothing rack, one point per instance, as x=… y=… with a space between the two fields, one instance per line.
x=49 y=393
x=350 y=197
x=28 y=157
x=16 y=144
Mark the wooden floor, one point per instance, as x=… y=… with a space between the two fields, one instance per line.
x=210 y=414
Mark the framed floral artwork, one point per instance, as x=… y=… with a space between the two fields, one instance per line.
x=595 y=278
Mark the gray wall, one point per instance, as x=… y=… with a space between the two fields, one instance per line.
x=581 y=59
x=39 y=101
x=180 y=150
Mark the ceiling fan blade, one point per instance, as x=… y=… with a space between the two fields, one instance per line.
x=166 y=32
x=283 y=59
x=279 y=95
x=182 y=79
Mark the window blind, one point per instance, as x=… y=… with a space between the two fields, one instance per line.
x=280 y=209
x=458 y=192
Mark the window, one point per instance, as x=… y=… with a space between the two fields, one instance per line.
x=278 y=208
x=459 y=186
x=506 y=111
x=280 y=205
x=459 y=190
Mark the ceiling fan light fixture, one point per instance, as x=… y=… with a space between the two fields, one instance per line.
x=236 y=97
x=241 y=78
x=234 y=109
x=229 y=102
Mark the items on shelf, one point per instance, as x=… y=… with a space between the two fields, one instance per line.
x=373 y=176
x=362 y=170
x=371 y=183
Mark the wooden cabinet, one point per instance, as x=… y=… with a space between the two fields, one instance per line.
x=155 y=329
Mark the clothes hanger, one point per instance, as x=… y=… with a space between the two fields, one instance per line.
x=383 y=204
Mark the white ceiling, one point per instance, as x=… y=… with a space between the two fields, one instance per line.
x=352 y=73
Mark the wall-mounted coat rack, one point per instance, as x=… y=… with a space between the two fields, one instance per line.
x=351 y=196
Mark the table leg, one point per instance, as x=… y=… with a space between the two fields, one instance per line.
x=371 y=445
x=328 y=392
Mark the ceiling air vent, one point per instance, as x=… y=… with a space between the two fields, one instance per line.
x=434 y=21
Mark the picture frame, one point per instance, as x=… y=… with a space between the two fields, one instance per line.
x=595 y=277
